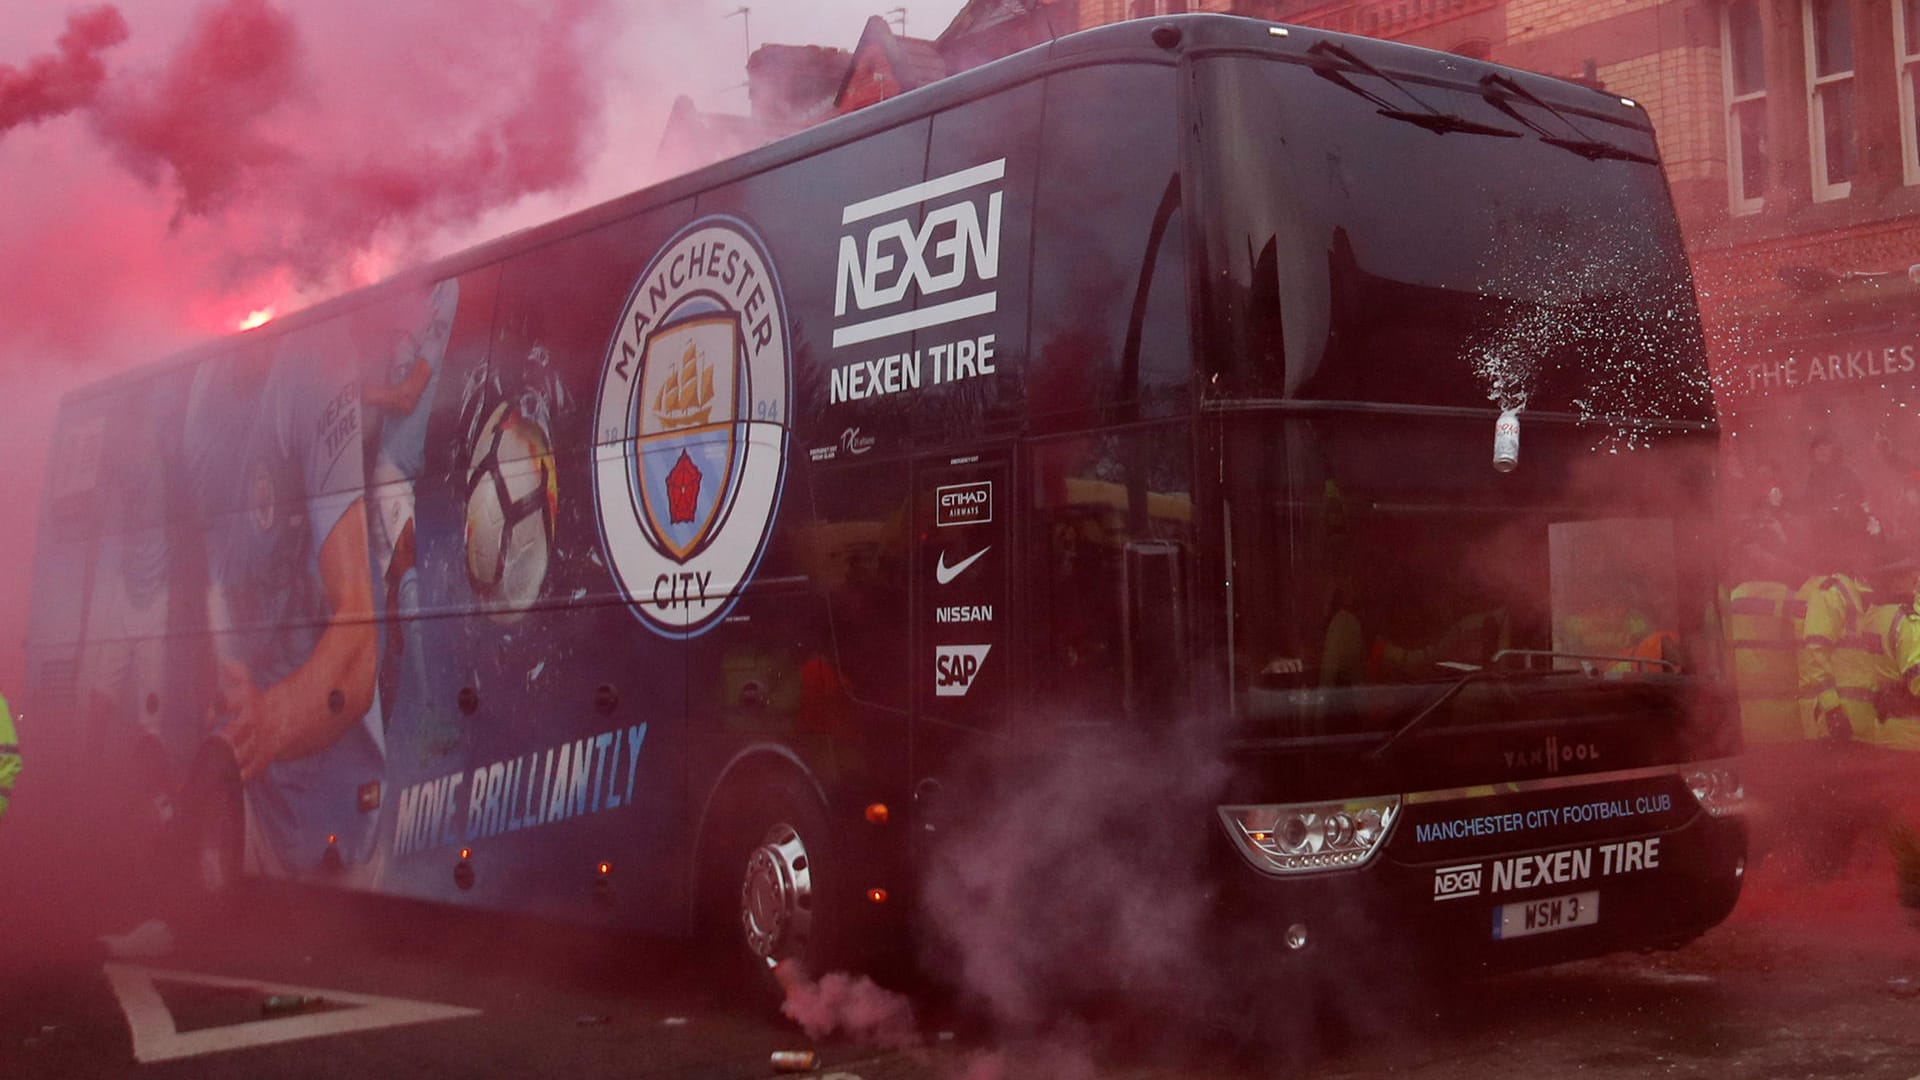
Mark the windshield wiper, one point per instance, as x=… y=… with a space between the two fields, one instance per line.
x=1499 y=90
x=1495 y=670
x=1594 y=149
x=1453 y=689
x=1327 y=58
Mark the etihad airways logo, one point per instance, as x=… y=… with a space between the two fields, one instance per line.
x=955 y=250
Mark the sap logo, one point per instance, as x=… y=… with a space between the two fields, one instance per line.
x=1456 y=882
x=954 y=668
x=953 y=247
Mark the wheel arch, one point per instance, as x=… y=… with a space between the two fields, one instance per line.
x=766 y=762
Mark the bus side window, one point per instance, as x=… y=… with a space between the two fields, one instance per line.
x=976 y=368
x=1112 y=519
x=1110 y=328
x=855 y=552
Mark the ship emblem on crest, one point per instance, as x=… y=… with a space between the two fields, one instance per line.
x=688 y=430
x=692 y=425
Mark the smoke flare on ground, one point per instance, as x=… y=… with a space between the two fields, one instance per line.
x=852 y=1006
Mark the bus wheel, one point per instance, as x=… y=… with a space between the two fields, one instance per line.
x=772 y=880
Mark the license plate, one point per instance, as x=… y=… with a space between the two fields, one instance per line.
x=1546 y=916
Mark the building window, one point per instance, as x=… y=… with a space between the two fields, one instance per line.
x=1906 y=45
x=1745 y=76
x=1829 y=38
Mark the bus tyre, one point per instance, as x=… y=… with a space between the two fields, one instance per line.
x=771 y=886
x=213 y=831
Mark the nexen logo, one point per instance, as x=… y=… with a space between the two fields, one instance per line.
x=954 y=668
x=951 y=249
x=1457 y=882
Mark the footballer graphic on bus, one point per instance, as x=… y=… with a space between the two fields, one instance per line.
x=692 y=418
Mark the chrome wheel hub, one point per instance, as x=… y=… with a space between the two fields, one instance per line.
x=776 y=896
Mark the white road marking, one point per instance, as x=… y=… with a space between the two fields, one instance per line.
x=155 y=1038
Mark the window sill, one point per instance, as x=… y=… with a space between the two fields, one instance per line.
x=1806 y=218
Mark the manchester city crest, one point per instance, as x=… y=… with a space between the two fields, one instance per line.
x=692 y=425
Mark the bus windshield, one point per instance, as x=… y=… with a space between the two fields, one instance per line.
x=1371 y=550
x=1389 y=256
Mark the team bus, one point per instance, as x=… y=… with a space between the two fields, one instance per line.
x=680 y=562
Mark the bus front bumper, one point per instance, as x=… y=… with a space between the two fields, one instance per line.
x=1488 y=911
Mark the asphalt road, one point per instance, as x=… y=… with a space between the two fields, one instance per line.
x=1807 y=980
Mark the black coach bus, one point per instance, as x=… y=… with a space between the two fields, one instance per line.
x=669 y=563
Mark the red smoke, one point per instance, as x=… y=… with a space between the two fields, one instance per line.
x=848 y=1005
x=307 y=164
x=197 y=124
x=57 y=84
x=190 y=161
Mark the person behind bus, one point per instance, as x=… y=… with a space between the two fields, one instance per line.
x=1762 y=633
x=1895 y=629
x=1833 y=496
x=1835 y=666
x=277 y=472
x=1834 y=652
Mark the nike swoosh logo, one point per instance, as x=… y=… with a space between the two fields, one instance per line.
x=944 y=573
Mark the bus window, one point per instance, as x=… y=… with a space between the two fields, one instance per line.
x=1585 y=301
x=855 y=553
x=981 y=389
x=1408 y=566
x=1109 y=322
x=1105 y=505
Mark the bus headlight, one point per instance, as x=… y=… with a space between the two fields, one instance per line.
x=1716 y=786
x=1307 y=838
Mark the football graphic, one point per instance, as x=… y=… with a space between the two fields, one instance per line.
x=512 y=502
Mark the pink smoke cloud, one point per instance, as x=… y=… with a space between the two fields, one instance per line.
x=853 y=1006
x=191 y=161
x=53 y=85
x=197 y=122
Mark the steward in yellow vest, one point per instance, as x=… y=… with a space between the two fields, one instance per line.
x=1838 y=673
x=1766 y=677
x=1899 y=705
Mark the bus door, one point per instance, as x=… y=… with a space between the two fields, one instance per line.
x=962 y=664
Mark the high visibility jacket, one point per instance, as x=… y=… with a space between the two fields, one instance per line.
x=1766 y=676
x=1659 y=645
x=1899 y=631
x=1797 y=625
x=1837 y=667
x=9 y=756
